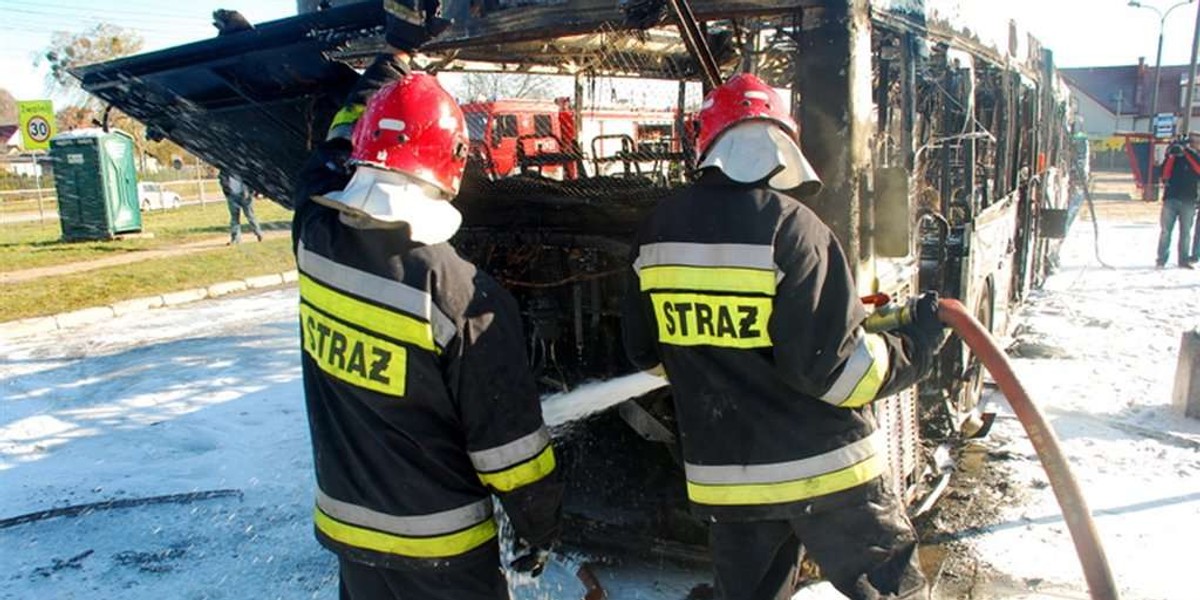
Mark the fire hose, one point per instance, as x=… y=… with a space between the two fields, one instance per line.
x=1070 y=499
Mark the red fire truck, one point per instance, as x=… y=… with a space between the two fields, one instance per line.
x=550 y=138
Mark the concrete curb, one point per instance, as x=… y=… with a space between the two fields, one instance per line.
x=38 y=325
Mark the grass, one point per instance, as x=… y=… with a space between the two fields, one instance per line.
x=51 y=295
x=32 y=244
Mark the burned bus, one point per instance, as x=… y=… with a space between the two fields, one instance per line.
x=944 y=153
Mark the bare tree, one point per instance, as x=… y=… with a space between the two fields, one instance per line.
x=490 y=86
x=74 y=117
x=101 y=43
x=68 y=50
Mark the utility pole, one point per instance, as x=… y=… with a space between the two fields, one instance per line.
x=37 y=177
x=1150 y=189
x=1117 y=124
x=1191 y=89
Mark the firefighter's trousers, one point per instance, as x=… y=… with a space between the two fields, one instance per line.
x=861 y=539
x=481 y=581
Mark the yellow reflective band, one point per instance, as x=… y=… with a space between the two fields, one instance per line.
x=522 y=474
x=440 y=546
x=402 y=12
x=703 y=320
x=353 y=356
x=370 y=317
x=868 y=387
x=708 y=279
x=348 y=115
x=787 y=491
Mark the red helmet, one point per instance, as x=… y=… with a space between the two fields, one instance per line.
x=742 y=98
x=414 y=127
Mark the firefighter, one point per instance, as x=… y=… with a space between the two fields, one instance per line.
x=745 y=298
x=421 y=406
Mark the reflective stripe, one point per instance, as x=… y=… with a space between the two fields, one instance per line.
x=403 y=12
x=522 y=474
x=340 y=132
x=377 y=289
x=707 y=320
x=516 y=451
x=791 y=491
x=355 y=357
x=369 y=317
x=750 y=256
x=813 y=466
x=840 y=469
x=442 y=546
x=449 y=521
x=347 y=115
x=709 y=279
x=863 y=375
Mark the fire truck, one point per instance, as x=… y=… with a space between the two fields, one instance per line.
x=518 y=136
x=945 y=154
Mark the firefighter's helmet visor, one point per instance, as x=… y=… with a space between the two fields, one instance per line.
x=391 y=198
x=755 y=150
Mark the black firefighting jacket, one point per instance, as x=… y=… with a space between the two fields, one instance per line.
x=745 y=298
x=421 y=404
x=420 y=401
x=1181 y=172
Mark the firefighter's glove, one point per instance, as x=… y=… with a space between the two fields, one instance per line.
x=924 y=327
x=530 y=559
x=657 y=371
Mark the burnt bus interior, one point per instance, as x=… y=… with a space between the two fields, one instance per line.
x=913 y=145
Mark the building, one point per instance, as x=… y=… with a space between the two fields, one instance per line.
x=1116 y=99
x=10 y=139
x=13 y=158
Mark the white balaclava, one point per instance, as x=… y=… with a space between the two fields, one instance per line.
x=378 y=199
x=755 y=150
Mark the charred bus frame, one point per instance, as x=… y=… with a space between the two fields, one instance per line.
x=944 y=161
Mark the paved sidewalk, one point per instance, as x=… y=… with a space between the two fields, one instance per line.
x=67 y=320
x=132 y=257
x=1116 y=196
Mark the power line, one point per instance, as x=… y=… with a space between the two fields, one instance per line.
x=188 y=13
x=64 y=10
x=40 y=28
x=79 y=23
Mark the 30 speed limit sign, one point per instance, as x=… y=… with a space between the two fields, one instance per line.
x=38 y=129
x=37 y=123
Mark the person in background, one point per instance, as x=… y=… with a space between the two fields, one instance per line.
x=745 y=299
x=1180 y=173
x=1194 y=148
x=240 y=200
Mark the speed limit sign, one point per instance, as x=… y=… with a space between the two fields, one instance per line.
x=38 y=129
x=37 y=123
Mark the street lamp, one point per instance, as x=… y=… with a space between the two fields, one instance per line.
x=1150 y=190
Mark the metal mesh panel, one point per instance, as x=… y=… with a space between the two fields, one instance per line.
x=897 y=415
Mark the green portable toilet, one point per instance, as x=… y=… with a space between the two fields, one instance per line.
x=96 y=183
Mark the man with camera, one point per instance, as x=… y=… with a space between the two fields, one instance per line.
x=1181 y=173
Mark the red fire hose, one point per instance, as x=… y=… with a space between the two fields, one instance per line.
x=1066 y=490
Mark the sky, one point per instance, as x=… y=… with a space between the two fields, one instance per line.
x=1114 y=33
